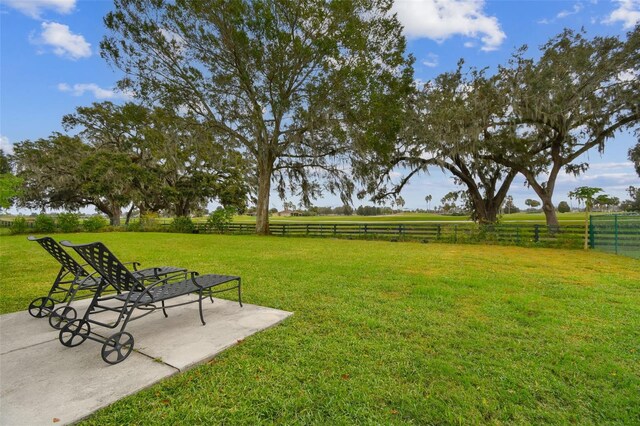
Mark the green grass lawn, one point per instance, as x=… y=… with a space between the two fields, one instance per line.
x=388 y=333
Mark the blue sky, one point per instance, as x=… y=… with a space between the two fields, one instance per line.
x=50 y=64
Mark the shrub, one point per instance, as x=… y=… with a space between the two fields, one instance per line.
x=44 y=224
x=220 y=219
x=563 y=207
x=182 y=224
x=19 y=225
x=94 y=223
x=68 y=222
x=149 y=222
x=134 y=226
x=146 y=222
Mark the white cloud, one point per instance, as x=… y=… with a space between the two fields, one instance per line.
x=172 y=37
x=98 y=92
x=611 y=166
x=628 y=12
x=35 y=8
x=628 y=75
x=431 y=60
x=441 y=19
x=64 y=42
x=564 y=13
x=5 y=145
x=612 y=177
x=577 y=8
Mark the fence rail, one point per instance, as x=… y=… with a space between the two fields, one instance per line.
x=515 y=234
x=569 y=236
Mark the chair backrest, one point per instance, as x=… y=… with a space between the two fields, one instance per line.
x=107 y=264
x=58 y=253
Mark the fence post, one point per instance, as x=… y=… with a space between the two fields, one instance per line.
x=438 y=232
x=335 y=229
x=592 y=234
x=518 y=235
x=455 y=232
x=536 y=233
x=365 y=228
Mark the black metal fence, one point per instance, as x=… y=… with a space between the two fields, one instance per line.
x=568 y=236
x=508 y=234
x=615 y=233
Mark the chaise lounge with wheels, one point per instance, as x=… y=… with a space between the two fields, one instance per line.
x=74 y=277
x=132 y=295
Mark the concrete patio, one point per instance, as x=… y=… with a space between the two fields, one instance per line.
x=44 y=383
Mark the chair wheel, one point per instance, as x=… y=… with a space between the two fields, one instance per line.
x=62 y=315
x=74 y=333
x=40 y=307
x=117 y=348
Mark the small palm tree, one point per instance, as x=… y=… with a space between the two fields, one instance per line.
x=585 y=193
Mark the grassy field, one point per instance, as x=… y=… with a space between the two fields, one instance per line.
x=567 y=218
x=389 y=333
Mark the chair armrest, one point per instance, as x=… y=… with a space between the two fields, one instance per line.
x=134 y=264
x=193 y=279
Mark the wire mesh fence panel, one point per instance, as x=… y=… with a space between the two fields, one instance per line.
x=616 y=233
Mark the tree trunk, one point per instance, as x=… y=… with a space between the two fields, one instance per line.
x=265 y=168
x=545 y=194
x=487 y=209
x=479 y=205
x=114 y=216
x=182 y=208
x=129 y=214
x=491 y=213
x=549 y=210
x=586 y=228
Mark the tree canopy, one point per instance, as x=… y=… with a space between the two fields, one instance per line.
x=128 y=155
x=9 y=183
x=447 y=126
x=575 y=97
x=634 y=155
x=535 y=116
x=292 y=86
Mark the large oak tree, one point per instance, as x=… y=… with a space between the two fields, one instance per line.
x=173 y=170
x=574 y=98
x=63 y=172
x=290 y=85
x=129 y=155
x=448 y=125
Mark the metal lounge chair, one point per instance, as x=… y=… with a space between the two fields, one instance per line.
x=133 y=295
x=74 y=277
